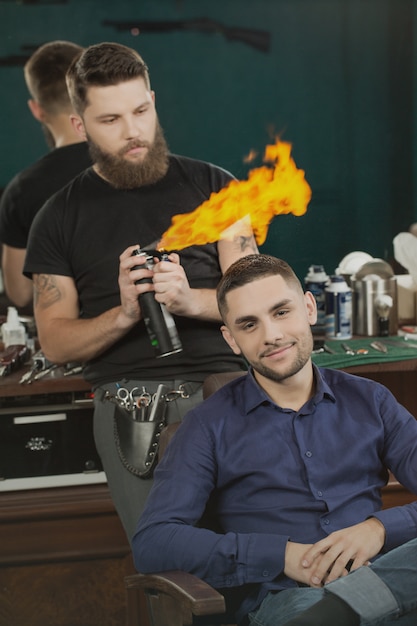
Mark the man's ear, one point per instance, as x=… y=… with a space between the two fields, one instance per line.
x=36 y=110
x=78 y=126
x=311 y=306
x=228 y=337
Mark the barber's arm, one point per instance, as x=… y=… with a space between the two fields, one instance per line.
x=173 y=289
x=64 y=336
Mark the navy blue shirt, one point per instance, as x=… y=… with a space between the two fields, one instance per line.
x=274 y=475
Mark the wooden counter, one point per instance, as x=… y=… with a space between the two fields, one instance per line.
x=54 y=382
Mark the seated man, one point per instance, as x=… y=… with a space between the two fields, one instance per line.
x=292 y=458
x=386 y=589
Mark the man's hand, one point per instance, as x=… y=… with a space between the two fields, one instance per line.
x=129 y=291
x=294 y=554
x=326 y=560
x=173 y=289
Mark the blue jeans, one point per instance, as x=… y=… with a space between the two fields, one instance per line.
x=383 y=594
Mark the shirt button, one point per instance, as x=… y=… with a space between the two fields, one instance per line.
x=265 y=573
x=326 y=522
x=309 y=454
x=319 y=493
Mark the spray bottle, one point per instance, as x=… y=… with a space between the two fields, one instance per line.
x=13 y=331
x=316 y=281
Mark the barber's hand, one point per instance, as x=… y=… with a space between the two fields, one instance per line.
x=129 y=291
x=326 y=560
x=172 y=287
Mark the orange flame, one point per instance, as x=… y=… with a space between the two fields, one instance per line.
x=279 y=188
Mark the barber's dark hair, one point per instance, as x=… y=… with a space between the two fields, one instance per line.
x=103 y=65
x=45 y=75
x=250 y=268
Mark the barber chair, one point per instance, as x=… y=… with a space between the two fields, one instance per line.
x=176 y=598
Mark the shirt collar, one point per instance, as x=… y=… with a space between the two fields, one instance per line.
x=254 y=395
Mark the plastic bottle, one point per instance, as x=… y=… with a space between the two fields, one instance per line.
x=338 y=309
x=13 y=331
x=316 y=282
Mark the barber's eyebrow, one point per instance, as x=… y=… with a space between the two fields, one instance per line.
x=141 y=105
x=248 y=318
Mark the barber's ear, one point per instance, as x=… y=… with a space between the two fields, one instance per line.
x=228 y=337
x=78 y=126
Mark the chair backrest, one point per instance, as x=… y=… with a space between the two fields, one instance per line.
x=212 y=383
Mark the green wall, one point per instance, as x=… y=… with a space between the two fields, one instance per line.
x=337 y=82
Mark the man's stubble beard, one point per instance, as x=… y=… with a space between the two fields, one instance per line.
x=123 y=174
x=303 y=356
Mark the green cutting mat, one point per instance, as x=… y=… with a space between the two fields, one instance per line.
x=399 y=352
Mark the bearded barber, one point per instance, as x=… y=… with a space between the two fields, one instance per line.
x=80 y=257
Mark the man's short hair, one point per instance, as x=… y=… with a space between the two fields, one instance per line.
x=249 y=268
x=103 y=65
x=45 y=75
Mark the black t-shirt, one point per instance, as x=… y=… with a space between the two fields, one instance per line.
x=30 y=189
x=82 y=230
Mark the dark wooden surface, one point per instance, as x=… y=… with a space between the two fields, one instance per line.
x=54 y=382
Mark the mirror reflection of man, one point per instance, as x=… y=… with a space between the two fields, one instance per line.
x=27 y=192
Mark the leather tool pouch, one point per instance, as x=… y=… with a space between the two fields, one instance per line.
x=137 y=441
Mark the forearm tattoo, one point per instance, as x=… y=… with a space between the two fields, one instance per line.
x=46 y=291
x=247 y=243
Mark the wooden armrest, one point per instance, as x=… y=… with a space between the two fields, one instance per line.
x=201 y=598
x=176 y=594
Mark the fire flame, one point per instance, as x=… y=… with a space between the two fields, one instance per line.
x=273 y=189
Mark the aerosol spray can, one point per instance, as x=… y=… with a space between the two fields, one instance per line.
x=316 y=282
x=159 y=323
x=338 y=309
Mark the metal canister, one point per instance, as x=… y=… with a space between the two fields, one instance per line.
x=316 y=282
x=338 y=309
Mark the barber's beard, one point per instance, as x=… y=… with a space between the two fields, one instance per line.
x=123 y=174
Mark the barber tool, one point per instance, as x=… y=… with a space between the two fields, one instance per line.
x=320 y=346
x=377 y=345
x=76 y=369
x=158 y=404
x=39 y=364
x=349 y=350
x=159 y=323
x=401 y=344
x=44 y=372
x=27 y=376
x=383 y=305
x=12 y=358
